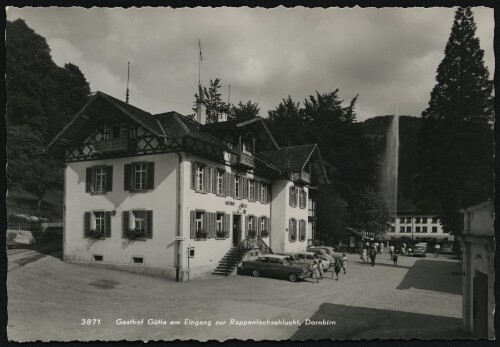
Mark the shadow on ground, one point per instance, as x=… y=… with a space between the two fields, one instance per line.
x=432 y=275
x=354 y=323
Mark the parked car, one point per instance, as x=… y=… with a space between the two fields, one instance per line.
x=326 y=259
x=275 y=266
x=420 y=249
x=446 y=248
x=329 y=250
x=302 y=258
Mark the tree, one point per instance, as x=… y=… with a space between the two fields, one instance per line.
x=41 y=98
x=244 y=111
x=455 y=166
x=370 y=213
x=213 y=101
x=286 y=123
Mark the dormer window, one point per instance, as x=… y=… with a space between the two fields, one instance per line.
x=119 y=131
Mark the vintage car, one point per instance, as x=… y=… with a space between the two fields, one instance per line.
x=446 y=248
x=420 y=249
x=273 y=265
x=326 y=259
x=329 y=250
x=306 y=259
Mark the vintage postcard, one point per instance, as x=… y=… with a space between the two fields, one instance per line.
x=249 y=173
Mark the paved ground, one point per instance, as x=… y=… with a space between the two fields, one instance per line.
x=48 y=299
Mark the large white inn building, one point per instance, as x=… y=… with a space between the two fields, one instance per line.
x=170 y=196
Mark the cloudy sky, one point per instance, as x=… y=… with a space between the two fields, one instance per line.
x=387 y=56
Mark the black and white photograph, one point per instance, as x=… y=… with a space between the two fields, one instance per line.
x=236 y=173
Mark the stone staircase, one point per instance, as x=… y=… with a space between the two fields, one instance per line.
x=229 y=262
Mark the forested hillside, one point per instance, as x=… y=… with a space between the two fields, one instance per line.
x=41 y=98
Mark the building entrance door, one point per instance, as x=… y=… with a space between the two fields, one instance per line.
x=480 y=305
x=236 y=229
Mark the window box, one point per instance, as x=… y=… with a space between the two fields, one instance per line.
x=252 y=234
x=264 y=233
x=220 y=234
x=136 y=234
x=95 y=234
x=201 y=234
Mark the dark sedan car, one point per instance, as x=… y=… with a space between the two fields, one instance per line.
x=274 y=266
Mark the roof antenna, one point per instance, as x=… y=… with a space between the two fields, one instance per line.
x=128 y=78
x=228 y=96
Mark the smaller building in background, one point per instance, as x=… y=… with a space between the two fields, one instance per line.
x=478 y=300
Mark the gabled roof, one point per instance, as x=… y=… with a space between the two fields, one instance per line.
x=290 y=158
x=230 y=125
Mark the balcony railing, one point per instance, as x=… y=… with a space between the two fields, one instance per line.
x=112 y=145
x=242 y=159
x=301 y=176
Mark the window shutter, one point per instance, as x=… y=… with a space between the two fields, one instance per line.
x=214 y=180
x=226 y=179
x=214 y=218
x=192 y=233
x=125 y=223
x=246 y=226
x=268 y=195
x=109 y=178
x=107 y=224
x=257 y=190
x=151 y=175
x=205 y=224
x=305 y=198
x=257 y=227
x=193 y=175
x=231 y=184
x=86 y=223
x=127 y=177
x=227 y=224
x=149 y=224
x=206 y=179
x=290 y=229
x=88 y=180
x=291 y=196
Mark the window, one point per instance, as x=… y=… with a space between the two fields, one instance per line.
x=220 y=182
x=393 y=229
x=199 y=220
x=99 y=221
x=292 y=231
x=424 y=220
x=251 y=223
x=302 y=230
x=264 y=196
x=417 y=229
x=237 y=186
x=417 y=220
x=97 y=224
x=219 y=221
x=98 y=257
x=302 y=198
x=138 y=260
x=408 y=219
x=434 y=220
x=263 y=223
x=139 y=176
x=402 y=220
x=402 y=229
x=139 y=220
x=251 y=191
x=408 y=229
x=424 y=229
x=199 y=177
x=434 y=229
x=99 y=179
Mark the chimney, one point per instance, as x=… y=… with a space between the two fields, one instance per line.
x=201 y=109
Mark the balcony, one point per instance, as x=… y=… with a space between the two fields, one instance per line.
x=301 y=177
x=112 y=146
x=242 y=160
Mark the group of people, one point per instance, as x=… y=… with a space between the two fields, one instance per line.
x=369 y=253
x=317 y=270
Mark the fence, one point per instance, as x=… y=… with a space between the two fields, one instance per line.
x=34 y=226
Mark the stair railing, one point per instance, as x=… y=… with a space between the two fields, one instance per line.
x=253 y=243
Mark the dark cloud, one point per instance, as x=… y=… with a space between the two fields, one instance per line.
x=387 y=56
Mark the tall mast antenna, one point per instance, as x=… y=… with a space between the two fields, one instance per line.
x=128 y=78
x=228 y=97
x=199 y=64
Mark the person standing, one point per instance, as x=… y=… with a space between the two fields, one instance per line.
x=395 y=259
x=315 y=271
x=391 y=251
x=437 y=247
x=365 y=256
x=336 y=268
x=373 y=256
x=321 y=269
x=344 y=262
x=403 y=249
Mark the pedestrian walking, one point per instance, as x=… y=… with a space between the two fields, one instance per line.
x=373 y=256
x=403 y=249
x=344 y=262
x=437 y=247
x=365 y=256
x=395 y=259
x=321 y=269
x=379 y=249
x=315 y=271
x=391 y=251
x=336 y=268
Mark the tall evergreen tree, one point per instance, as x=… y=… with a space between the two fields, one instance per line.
x=456 y=142
x=213 y=101
x=244 y=110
